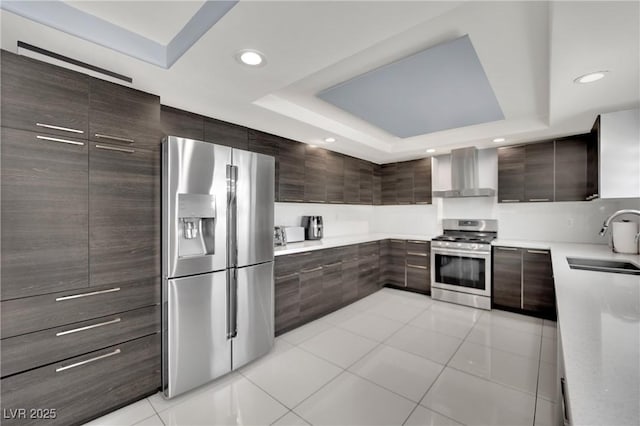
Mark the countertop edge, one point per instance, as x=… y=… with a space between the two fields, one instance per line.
x=331 y=242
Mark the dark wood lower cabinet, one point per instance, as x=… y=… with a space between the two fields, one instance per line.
x=538 y=293
x=523 y=281
x=287 y=301
x=507 y=277
x=350 y=274
x=78 y=389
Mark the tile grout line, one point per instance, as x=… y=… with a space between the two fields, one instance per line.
x=535 y=405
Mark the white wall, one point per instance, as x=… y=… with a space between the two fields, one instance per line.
x=338 y=219
x=419 y=219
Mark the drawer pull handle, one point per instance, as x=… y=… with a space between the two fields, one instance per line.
x=506 y=248
x=88 y=327
x=114 y=138
x=509 y=201
x=292 y=200
x=93 y=293
x=537 y=251
x=412 y=253
x=397 y=241
x=416 y=266
x=539 y=199
x=87 y=361
x=417 y=242
x=281 y=277
x=64 y=129
x=113 y=148
x=333 y=264
x=47 y=138
x=317 y=201
x=311 y=270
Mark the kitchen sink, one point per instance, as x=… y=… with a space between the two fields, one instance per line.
x=603 y=265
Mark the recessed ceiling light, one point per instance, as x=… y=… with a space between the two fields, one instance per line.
x=430 y=150
x=329 y=140
x=591 y=77
x=250 y=57
x=498 y=140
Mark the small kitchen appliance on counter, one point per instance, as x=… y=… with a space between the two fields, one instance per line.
x=312 y=227
x=293 y=234
x=461 y=262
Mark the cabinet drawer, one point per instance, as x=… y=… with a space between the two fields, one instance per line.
x=418 y=260
x=291 y=263
x=37 y=313
x=31 y=350
x=420 y=247
x=418 y=278
x=287 y=302
x=368 y=249
x=44 y=98
x=87 y=386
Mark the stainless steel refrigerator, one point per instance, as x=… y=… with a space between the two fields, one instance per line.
x=217 y=261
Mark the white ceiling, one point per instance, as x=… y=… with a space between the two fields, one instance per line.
x=530 y=51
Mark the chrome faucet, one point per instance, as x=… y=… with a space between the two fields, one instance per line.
x=606 y=223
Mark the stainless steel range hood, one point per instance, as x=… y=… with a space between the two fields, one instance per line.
x=464 y=176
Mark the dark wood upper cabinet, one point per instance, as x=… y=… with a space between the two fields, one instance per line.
x=315 y=175
x=422 y=181
x=44 y=214
x=176 y=122
x=593 y=164
x=366 y=182
x=571 y=168
x=265 y=143
x=124 y=213
x=404 y=182
x=351 y=180
x=123 y=116
x=507 y=277
x=377 y=184
x=335 y=177
x=511 y=165
x=538 y=176
x=43 y=98
x=538 y=294
x=291 y=158
x=227 y=134
x=388 y=185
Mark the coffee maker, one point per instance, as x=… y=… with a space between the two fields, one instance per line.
x=312 y=227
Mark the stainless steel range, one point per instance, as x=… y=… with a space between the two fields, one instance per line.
x=461 y=262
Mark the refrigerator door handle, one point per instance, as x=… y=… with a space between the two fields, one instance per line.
x=232 y=303
x=232 y=216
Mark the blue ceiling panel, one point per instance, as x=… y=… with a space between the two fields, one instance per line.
x=443 y=87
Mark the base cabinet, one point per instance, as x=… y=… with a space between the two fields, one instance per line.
x=523 y=281
x=312 y=284
x=84 y=387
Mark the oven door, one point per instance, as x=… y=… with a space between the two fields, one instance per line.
x=461 y=270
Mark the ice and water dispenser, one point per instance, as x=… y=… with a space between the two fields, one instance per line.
x=196 y=224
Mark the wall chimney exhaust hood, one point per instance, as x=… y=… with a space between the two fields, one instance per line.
x=464 y=176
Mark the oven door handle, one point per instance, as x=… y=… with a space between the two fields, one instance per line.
x=474 y=254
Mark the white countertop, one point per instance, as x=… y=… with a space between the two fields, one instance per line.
x=342 y=241
x=599 y=320
x=542 y=245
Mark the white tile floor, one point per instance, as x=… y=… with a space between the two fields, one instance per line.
x=393 y=358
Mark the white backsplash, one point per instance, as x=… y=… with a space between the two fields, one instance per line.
x=421 y=219
x=338 y=219
x=577 y=222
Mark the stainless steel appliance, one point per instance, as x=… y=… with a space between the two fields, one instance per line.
x=461 y=262
x=312 y=227
x=217 y=261
x=464 y=176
